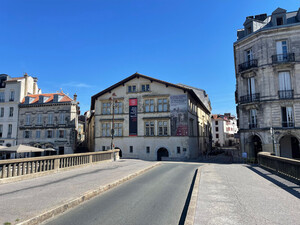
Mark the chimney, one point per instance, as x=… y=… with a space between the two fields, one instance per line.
x=26 y=85
x=75 y=97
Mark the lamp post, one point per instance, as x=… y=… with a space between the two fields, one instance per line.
x=273 y=140
x=112 y=131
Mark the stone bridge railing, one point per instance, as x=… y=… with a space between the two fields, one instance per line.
x=283 y=166
x=36 y=166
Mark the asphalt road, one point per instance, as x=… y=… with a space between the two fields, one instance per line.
x=156 y=197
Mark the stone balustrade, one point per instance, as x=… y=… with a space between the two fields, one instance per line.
x=289 y=168
x=51 y=164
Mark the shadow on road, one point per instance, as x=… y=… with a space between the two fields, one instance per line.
x=286 y=185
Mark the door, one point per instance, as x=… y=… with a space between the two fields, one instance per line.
x=251 y=89
x=281 y=49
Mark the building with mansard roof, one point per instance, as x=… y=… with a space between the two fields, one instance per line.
x=267 y=65
x=152 y=119
x=49 y=121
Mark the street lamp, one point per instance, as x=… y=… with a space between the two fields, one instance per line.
x=112 y=131
x=273 y=139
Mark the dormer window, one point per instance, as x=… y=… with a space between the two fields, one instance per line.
x=279 y=21
x=249 y=30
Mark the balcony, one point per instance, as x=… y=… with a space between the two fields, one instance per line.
x=250 y=98
x=286 y=94
x=248 y=65
x=283 y=58
x=288 y=124
x=252 y=125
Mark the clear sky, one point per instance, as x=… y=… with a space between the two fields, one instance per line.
x=85 y=46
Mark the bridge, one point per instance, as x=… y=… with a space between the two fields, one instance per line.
x=92 y=188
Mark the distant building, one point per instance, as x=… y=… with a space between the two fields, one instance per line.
x=153 y=119
x=224 y=129
x=267 y=65
x=49 y=121
x=12 y=91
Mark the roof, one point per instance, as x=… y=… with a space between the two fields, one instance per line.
x=14 y=79
x=50 y=96
x=137 y=75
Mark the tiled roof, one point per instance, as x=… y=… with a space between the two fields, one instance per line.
x=14 y=79
x=50 y=97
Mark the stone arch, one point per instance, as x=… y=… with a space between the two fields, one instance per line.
x=120 y=152
x=289 y=146
x=162 y=152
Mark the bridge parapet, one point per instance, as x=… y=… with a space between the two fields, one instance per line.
x=289 y=168
x=19 y=169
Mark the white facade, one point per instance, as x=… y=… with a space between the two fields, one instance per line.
x=12 y=91
x=181 y=131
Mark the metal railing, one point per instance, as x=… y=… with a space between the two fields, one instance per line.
x=250 y=98
x=282 y=58
x=286 y=94
x=283 y=166
x=247 y=65
x=288 y=124
x=25 y=166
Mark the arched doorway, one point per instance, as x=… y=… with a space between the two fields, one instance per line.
x=162 y=152
x=120 y=152
x=256 y=145
x=289 y=147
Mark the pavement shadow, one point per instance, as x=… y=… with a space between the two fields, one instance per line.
x=280 y=181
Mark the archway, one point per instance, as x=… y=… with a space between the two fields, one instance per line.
x=256 y=145
x=162 y=152
x=289 y=147
x=120 y=152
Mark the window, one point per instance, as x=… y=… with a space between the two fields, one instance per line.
x=2 y=112
x=184 y=149
x=11 y=111
x=162 y=128
x=12 y=96
x=118 y=129
x=50 y=118
x=162 y=105
x=287 y=117
x=105 y=129
x=132 y=88
x=106 y=108
x=217 y=129
x=38 y=134
x=145 y=87
x=252 y=119
x=149 y=128
x=62 y=118
x=251 y=87
x=216 y=123
x=2 y=97
x=285 y=88
x=147 y=149
x=249 y=55
x=249 y=30
x=26 y=134
x=279 y=21
x=149 y=105
x=61 y=133
x=1 y=130
x=131 y=149
x=27 y=122
x=217 y=135
x=118 y=107
x=282 y=50
x=49 y=134
x=39 y=119
x=103 y=148
x=178 y=150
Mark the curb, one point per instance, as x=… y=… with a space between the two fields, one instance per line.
x=84 y=197
x=189 y=220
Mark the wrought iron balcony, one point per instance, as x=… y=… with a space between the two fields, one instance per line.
x=252 y=125
x=250 y=98
x=286 y=94
x=283 y=58
x=288 y=124
x=247 y=65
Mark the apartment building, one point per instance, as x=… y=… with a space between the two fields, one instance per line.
x=12 y=91
x=151 y=119
x=267 y=65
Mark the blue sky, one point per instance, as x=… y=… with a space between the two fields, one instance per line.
x=85 y=46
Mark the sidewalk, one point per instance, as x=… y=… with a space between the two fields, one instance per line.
x=23 y=200
x=243 y=194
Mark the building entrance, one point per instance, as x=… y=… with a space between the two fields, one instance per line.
x=162 y=152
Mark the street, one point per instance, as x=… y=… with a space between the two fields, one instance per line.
x=156 y=197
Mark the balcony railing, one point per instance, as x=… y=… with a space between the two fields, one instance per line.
x=250 y=98
x=252 y=125
x=247 y=65
x=286 y=94
x=288 y=124
x=283 y=58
